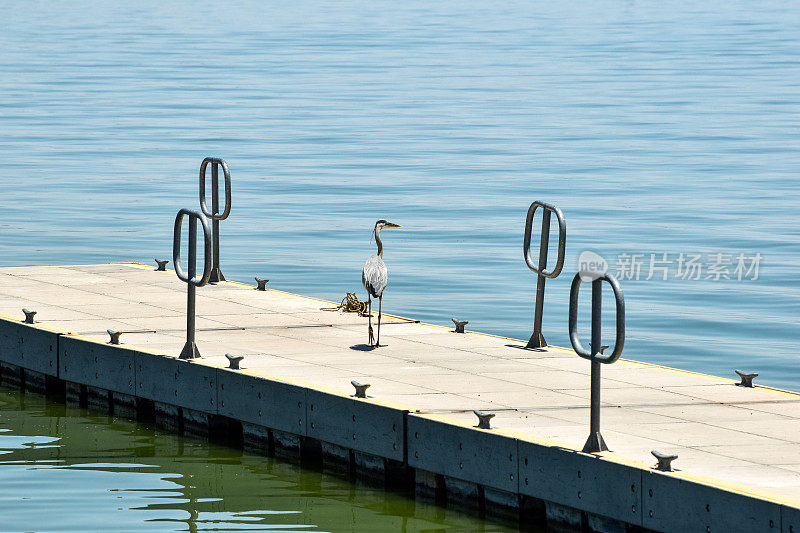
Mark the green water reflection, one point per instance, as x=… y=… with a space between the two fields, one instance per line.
x=69 y=469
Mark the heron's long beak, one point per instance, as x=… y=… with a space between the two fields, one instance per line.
x=391 y=225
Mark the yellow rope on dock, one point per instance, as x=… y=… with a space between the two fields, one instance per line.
x=350 y=304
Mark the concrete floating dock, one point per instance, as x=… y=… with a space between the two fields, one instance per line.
x=738 y=465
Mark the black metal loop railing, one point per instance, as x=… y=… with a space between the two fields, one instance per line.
x=214 y=214
x=595 y=353
x=189 y=276
x=595 y=442
x=540 y=268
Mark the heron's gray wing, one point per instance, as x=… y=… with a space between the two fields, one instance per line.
x=374 y=276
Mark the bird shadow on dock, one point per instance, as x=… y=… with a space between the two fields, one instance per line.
x=363 y=347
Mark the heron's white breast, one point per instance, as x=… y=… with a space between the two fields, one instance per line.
x=375 y=276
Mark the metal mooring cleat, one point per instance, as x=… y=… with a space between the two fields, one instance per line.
x=484 y=419
x=460 y=324
x=664 y=461
x=114 y=336
x=747 y=379
x=28 y=316
x=234 y=360
x=262 y=284
x=162 y=264
x=361 y=389
x=603 y=348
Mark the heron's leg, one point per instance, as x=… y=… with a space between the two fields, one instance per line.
x=380 y=301
x=369 y=329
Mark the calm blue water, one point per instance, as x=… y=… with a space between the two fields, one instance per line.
x=657 y=127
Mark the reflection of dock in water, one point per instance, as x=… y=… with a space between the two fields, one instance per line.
x=202 y=485
x=737 y=447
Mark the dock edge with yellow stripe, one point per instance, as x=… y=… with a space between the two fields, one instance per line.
x=504 y=473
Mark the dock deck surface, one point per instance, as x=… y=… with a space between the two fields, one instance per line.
x=748 y=437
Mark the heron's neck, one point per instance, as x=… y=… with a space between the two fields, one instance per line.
x=378 y=241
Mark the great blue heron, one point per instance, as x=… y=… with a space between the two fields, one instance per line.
x=375 y=277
